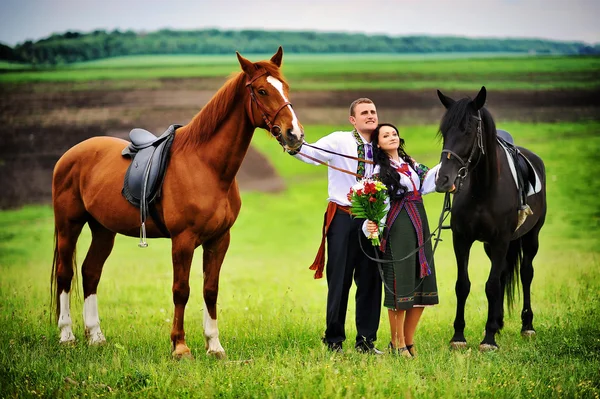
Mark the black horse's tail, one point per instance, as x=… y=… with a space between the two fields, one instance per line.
x=510 y=277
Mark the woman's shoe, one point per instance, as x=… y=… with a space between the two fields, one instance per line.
x=412 y=350
x=403 y=352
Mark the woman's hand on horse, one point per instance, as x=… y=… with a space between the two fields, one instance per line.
x=371 y=226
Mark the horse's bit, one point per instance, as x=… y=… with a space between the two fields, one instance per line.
x=275 y=130
x=478 y=143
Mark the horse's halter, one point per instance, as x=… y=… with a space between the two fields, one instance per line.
x=275 y=130
x=478 y=143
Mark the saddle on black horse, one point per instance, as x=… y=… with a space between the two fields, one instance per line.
x=523 y=168
x=143 y=180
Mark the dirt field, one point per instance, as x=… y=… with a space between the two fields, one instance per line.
x=40 y=122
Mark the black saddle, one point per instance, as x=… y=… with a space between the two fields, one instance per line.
x=525 y=172
x=506 y=136
x=144 y=177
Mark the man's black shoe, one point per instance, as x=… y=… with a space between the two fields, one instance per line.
x=368 y=347
x=335 y=347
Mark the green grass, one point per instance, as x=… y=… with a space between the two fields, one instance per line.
x=272 y=312
x=7 y=65
x=349 y=71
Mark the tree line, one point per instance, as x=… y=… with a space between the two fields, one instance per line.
x=72 y=47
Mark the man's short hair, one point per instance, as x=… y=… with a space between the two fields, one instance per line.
x=362 y=100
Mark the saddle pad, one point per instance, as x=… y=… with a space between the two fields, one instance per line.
x=511 y=164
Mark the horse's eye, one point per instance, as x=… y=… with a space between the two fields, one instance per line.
x=262 y=92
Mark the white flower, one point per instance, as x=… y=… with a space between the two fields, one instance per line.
x=358 y=186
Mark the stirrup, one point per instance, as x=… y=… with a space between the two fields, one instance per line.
x=143 y=243
x=523 y=213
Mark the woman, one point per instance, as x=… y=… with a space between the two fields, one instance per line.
x=409 y=284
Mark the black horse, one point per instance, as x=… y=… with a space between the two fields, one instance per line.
x=485 y=208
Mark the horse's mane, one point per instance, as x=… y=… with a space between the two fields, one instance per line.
x=208 y=120
x=459 y=116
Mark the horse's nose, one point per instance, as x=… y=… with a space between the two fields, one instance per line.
x=292 y=136
x=440 y=183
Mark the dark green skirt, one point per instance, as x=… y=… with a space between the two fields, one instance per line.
x=403 y=286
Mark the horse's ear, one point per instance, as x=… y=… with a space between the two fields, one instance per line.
x=247 y=65
x=276 y=59
x=447 y=101
x=479 y=101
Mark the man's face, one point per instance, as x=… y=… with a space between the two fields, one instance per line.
x=365 y=117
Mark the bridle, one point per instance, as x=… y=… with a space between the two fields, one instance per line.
x=478 y=143
x=275 y=130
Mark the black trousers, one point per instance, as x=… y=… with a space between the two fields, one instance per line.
x=345 y=261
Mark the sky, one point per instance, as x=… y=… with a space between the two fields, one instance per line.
x=565 y=20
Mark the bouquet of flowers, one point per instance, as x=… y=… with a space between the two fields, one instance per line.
x=368 y=200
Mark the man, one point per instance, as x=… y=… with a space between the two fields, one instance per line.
x=345 y=257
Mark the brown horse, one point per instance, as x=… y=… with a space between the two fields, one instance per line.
x=199 y=203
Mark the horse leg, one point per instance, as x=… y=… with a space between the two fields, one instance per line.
x=183 y=247
x=531 y=244
x=65 y=261
x=69 y=219
x=503 y=279
x=214 y=253
x=100 y=248
x=462 y=288
x=495 y=296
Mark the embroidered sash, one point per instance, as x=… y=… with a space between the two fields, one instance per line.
x=319 y=263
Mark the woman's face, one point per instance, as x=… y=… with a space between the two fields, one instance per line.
x=388 y=139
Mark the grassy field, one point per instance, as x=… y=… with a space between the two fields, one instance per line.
x=272 y=312
x=331 y=72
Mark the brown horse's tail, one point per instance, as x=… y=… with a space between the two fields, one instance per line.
x=510 y=277
x=54 y=294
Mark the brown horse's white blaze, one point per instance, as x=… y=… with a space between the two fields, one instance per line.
x=199 y=199
x=296 y=131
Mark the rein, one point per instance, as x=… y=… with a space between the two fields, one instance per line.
x=338 y=154
x=446 y=208
x=275 y=130
x=478 y=143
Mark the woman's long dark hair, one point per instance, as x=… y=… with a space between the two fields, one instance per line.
x=387 y=174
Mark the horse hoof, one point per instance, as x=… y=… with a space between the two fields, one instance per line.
x=96 y=339
x=68 y=342
x=528 y=333
x=458 y=345
x=487 y=348
x=182 y=352
x=217 y=354
x=67 y=337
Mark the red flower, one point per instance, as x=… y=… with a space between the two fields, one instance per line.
x=372 y=199
x=370 y=188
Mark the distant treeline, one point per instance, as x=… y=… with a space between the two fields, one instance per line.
x=76 y=47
